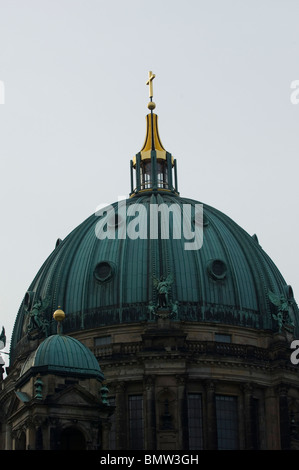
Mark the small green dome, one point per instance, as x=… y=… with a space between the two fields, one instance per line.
x=59 y=354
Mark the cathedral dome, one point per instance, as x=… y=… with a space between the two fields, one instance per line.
x=59 y=354
x=109 y=281
x=107 y=270
x=188 y=316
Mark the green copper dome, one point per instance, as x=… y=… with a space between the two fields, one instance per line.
x=114 y=269
x=59 y=354
x=109 y=281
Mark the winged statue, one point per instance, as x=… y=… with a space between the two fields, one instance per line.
x=36 y=318
x=283 y=305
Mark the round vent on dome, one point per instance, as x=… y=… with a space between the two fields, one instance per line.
x=217 y=269
x=103 y=271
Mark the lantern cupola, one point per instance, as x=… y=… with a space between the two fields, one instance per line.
x=155 y=168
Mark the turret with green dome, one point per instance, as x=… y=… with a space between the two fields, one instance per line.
x=62 y=355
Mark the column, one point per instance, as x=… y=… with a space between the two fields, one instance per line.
x=121 y=416
x=105 y=428
x=8 y=437
x=285 y=425
x=248 y=416
x=183 y=412
x=154 y=182
x=150 y=437
x=211 y=422
x=272 y=419
x=46 y=436
x=30 y=435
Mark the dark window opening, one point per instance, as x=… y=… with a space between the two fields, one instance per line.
x=223 y=338
x=195 y=421
x=102 y=340
x=227 y=422
x=136 y=422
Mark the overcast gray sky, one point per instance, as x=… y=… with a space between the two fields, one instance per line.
x=74 y=73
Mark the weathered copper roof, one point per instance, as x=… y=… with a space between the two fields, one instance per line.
x=59 y=354
x=109 y=281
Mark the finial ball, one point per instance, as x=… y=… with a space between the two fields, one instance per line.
x=59 y=314
x=151 y=105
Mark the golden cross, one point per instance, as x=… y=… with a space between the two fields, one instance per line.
x=149 y=82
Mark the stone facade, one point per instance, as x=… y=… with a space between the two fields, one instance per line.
x=166 y=380
x=50 y=412
x=165 y=363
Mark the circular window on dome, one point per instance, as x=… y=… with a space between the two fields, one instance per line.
x=103 y=271
x=217 y=269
